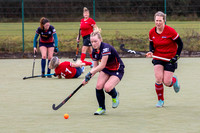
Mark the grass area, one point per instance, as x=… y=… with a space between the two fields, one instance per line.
x=26 y=104
x=134 y=34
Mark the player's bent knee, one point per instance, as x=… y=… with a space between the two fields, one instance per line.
x=159 y=80
x=167 y=83
x=44 y=57
x=99 y=87
x=108 y=88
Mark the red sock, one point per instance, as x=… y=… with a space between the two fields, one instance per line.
x=91 y=56
x=87 y=63
x=159 y=90
x=83 y=55
x=173 y=81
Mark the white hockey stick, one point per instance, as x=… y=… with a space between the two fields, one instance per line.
x=157 y=57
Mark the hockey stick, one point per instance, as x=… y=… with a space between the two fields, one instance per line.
x=64 y=101
x=77 y=46
x=130 y=51
x=34 y=56
x=37 y=76
x=157 y=57
x=140 y=53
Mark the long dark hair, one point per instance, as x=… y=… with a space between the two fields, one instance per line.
x=43 y=21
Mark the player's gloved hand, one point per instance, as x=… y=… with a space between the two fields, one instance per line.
x=174 y=59
x=88 y=77
x=56 y=49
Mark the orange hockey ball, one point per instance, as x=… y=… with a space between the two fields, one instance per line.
x=66 y=116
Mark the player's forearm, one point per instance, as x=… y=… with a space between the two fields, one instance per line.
x=100 y=67
x=78 y=64
x=151 y=47
x=95 y=26
x=75 y=65
x=35 y=40
x=55 y=39
x=180 y=46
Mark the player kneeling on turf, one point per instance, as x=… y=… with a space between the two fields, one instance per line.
x=66 y=69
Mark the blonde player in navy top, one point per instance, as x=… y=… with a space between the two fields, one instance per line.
x=48 y=42
x=111 y=71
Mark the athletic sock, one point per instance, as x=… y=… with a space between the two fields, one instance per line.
x=83 y=55
x=87 y=63
x=91 y=56
x=48 y=70
x=159 y=90
x=113 y=93
x=173 y=81
x=43 y=65
x=101 y=98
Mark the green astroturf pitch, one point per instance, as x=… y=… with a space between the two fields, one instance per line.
x=26 y=105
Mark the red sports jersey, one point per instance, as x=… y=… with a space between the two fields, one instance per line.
x=87 y=26
x=66 y=70
x=164 y=43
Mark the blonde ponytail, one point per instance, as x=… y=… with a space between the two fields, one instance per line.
x=97 y=31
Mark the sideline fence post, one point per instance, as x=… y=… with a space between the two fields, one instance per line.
x=23 y=26
x=165 y=6
x=94 y=9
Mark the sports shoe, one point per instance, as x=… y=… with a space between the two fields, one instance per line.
x=92 y=65
x=49 y=76
x=83 y=69
x=176 y=85
x=43 y=75
x=160 y=103
x=100 y=111
x=115 y=101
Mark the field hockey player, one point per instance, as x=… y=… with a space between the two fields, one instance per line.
x=111 y=71
x=66 y=69
x=164 y=42
x=87 y=25
x=48 y=43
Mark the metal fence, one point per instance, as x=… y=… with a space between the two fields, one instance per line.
x=102 y=10
x=26 y=11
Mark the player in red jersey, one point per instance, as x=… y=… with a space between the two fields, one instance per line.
x=164 y=42
x=86 y=27
x=66 y=69
x=111 y=71
x=48 y=42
